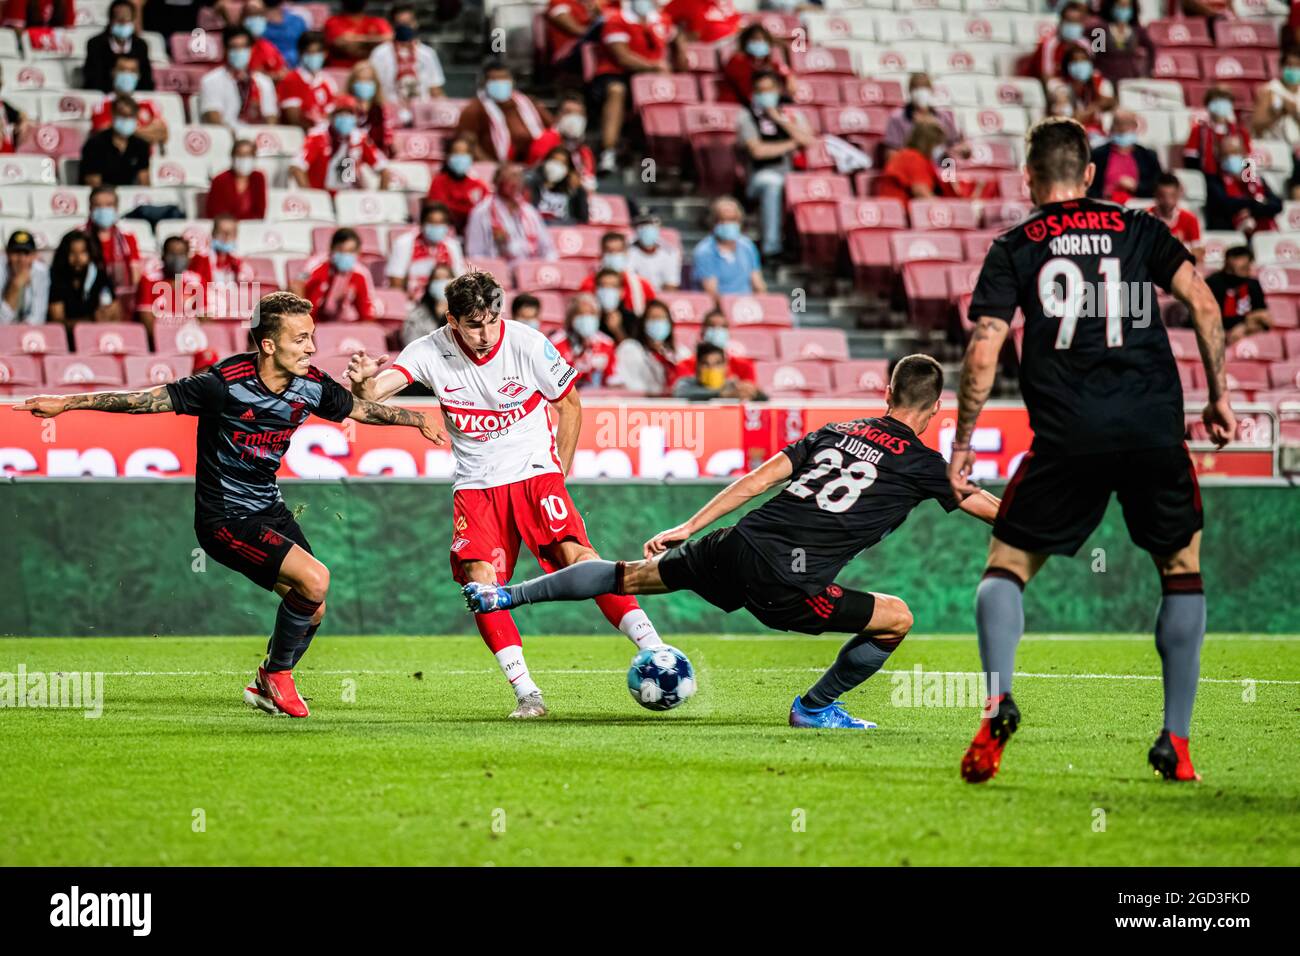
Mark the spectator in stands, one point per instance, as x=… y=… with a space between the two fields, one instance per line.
x=1091 y=94
x=1124 y=169
x=583 y=345
x=658 y=264
x=920 y=109
x=363 y=84
x=414 y=255
x=913 y=171
x=1290 y=30
x=726 y=262
x=352 y=35
x=81 y=289
x=633 y=39
x=339 y=155
x=221 y=264
x=284 y=28
x=1049 y=59
x=567 y=22
x=507 y=225
x=170 y=291
x=1205 y=141
x=118 y=39
x=114 y=248
x=1237 y=197
x=430 y=311
x=636 y=289
x=266 y=57
x=1127 y=51
x=454 y=187
x=337 y=285
x=14 y=125
x=711 y=379
x=502 y=123
x=754 y=54
x=769 y=138
x=407 y=69
x=527 y=309
x=239 y=191
x=306 y=91
x=1277 y=112
x=24 y=282
x=647 y=359
x=1240 y=296
x=557 y=189
x=703 y=21
x=569 y=132
x=116 y=156
x=25 y=14
x=1184 y=225
x=150 y=125
x=231 y=94
x=616 y=317
x=716 y=330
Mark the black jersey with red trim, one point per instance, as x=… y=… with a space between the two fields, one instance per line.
x=244 y=431
x=852 y=484
x=1096 y=370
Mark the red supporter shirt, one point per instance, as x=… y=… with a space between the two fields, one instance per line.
x=146 y=112
x=647 y=38
x=739 y=72
x=629 y=303
x=267 y=58
x=582 y=157
x=311 y=94
x=332 y=162
x=560 y=42
x=905 y=169
x=458 y=195
x=224 y=198
x=709 y=20
x=343 y=24
x=15 y=14
x=1184 y=225
x=168 y=299
x=1203 y=143
x=338 y=298
x=594 y=364
x=220 y=267
x=121 y=271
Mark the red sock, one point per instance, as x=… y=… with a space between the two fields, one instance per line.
x=615 y=606
x=498 y=630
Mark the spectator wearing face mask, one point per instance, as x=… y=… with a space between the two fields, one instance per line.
x=633 y=39
x=266 y=57
x=583 y=345
x=506 y=225
x=1049 y=58
x=657 y=263
x=372 y=117
x=14 y=124
x=352 y=35
x=501 y=122
x=919 y=109
x=711 y=380
x=337 y=285
x=408 y=70
x=233 y=94
x=1277 y=111
x=557 y=190
x=120 y=38
x=769 y=138
x=239 y=191
x=1205 y=141
x=169 y=294
x=430 y=311
x=1240 y=296
x=716 y=331
x=754 y=54
x=306 y=92
x=115 y=249
x=454 y=187
x=1124 y=169
x=527 y=309
x=725 y=261
x=569 y=133
x=635 y=289
x=24 y=282
x=116 y=156
x=913 y=171
x=336 y=156
x=1128 y=51
x=1092 y=96
x=647 y=359
x=616 y=319
x=149 y=125
x=221 y=264
x=1236 y=197
x=415 y=255
x=1182 y=223
x=81 y=290
x=284 y=29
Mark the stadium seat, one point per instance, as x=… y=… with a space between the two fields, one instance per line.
x=759 y=309
x=1004 y=214
x=391 y=306
x=711 y=132
x=833 y=61
x=146 y=371
x=561 y=276
x=1234 y=65
x=577 y=242
x=958 y=214
x=909 y=246
x=860 y=377
x=817 y=90
x=283 y=141
x=842 y=24
x=1275 y=280
x=335 y=366
x=192 y=338
x=498 y=268
x=371 y=237
x=19 y=169
x=608 y=209
x=287 y=205
x=412 y=177
x=441 y=114
x=1244 y=34
x=755 y=344
x=344 y=338
x=110 y=338
x=55 y=139
x=366 y=207
x=61 y=201
x=36 y=75
x=1280 y=374
x=1189 y=32
x=687 y=308
x=1276 y=248
x=50 y=339
x=181 y=78
x=417 y=144
x=821 y=188
x=1262 y=346
x=793 y=379
x=262 y=238
x=198 y=46
x=83 y=370
x=19 y=374
x=180 y=170
x=700 y=57
x=1182 y=342
x=1247 y=375
x=827 y=345
x=1175 y=65
x=782 y=26
x=1291 y=344
x=929 y=302
x=854 y=121
x=1192 y=375
x=1284 y=313
x=659 y=98
x=860 y=92
x=873 y=265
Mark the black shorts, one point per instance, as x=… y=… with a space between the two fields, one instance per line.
x=722 y=568
x=598 y=89
x=1054 y=501
x=254 y=545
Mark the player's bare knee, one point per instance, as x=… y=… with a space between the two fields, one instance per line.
x=481 y=572
x=892 y=617
x=314 y=584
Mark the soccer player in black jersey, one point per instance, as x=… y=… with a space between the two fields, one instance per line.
x=248 y=408
x=850 y=484
x=1106 y=408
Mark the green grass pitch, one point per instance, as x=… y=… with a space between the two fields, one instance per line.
x=420 y=765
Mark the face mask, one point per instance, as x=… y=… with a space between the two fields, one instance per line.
x=586 y=325
x=727 y=231
x=1125 y=139
x=243 y=165
x=555 y=171
x=758 y=49
x=404 y=33
x=922 y=97
x=1233 y=165
x=123 y=31
x=364 y=89
x=1071 y=31
x=713 y=378
x=766 y=100
x=643 y=8
x=313 y=62
x=608 y=298
x=105 y=217
x=223 y=246
x=124 y=126
x=572 y=126
x=718 y=335
x=438 y=289
x=531 y=323
x=1291 y=75
x=499 y=90
x=255 y=26
x=435 y=232
x=614 y=260
x=125 y=82
x=177 y=264
x=343 y=261
x=1123 y=14
x=657 y=330
x=648 y=235
x=345 y=124
x=1080 y=70
x=238 y=59
x=1221 y=109
x=459 y=163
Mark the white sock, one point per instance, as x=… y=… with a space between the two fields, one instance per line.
x=512 y=664
x=636 y=625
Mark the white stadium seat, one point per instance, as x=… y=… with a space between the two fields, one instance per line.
x=179 y=171
x=368 y=207
x=49 y=202
x=142 y=231
x=285 y=205
x=1193 y=185
x=197 y=232
x=15 y=204
x=267 y=238
x=60 y=106
x=273 y=140
x=1150 y=95
x=411 y=176
x=206 y=140
x=46 y=232
x=41 y=75
x=18 y=169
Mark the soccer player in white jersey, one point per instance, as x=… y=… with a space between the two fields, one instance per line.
x=494 y=379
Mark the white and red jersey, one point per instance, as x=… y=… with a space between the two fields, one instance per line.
x=647 y=38
x=594 y=362
x=334 y=162
x=220 y=267
x=494 y=408
x=311 y=93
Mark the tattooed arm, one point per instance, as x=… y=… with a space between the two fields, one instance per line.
x=1190 y=289
x=144 y=402
x=372 y=413
x=978 y=371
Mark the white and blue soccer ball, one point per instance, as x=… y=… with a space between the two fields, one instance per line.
x=661 y=678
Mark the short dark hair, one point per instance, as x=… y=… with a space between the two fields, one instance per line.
x=310 y=37
x=571 y=96
x=474 y=294
x=434 y=207
x=1168 y=179
x=125 y=99
x=102 y=189
x=1057 y=150
x=117 y=60
x=763 y=75
x=343 y=235
x=917 y=381
x=524 y=300
x=496 y=65
x=1232 y=252
x=121 y=3
x=270 y=312
x=601 y=273
x=234 y=32
x=704 y=350
x=176 y=238
x=400 y=8
x=612 y=234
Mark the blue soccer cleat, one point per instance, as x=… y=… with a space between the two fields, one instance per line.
x=831 y=717
x=486 y=598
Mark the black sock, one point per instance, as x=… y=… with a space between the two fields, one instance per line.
x=857 y=660
x=301 y=649
x=577 y=582
x=292 y=622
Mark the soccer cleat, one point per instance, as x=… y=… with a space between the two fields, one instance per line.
x=485 y=598
x=831 y=717
x=256 y=695
x=530 y=706
x=280 y=688
x=984 y=755
x=1171 y=759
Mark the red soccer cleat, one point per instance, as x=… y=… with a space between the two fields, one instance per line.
x=280 y=688
x=1170 y=757
x=984 y=755
x=257 y=695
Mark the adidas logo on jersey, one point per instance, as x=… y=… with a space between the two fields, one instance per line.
x=247 y=416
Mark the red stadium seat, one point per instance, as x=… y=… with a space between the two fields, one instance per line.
x=827 y=188
x=1291 y=340
x=817 y=90
x=860 y=377
x=391 y=305
x=701 y=58
x=1279 y=280
x=147 y=371
x=976 y=244
x=826 y=345
x=659 y=98
x=182 y=78
x=417 y=144
x=885 y=93
x=561 y=276
x=607 y=209
x=1282 y=312
x=1192 y=375
x=498 y=268
x=715 y=88
x=831 y=60
x=759 y=345
x=1182 y=342
x=1243 y=34
x=793 y=379
x=110 y=338
x=1262 y=346
x=1247 y=375
x=344 y=338
x=782 y=26
x=1004 y=214
x=853 y=121
x=194 y=337
x=54 y=139
x=816 y=158
x=929 y=301
x=1236 y=65
x=51 y=339
x=82 y=370
x=687 y=308
x=19 y=373
x=912 y=246
x=959 y=214
x=764 y=309
x=198 y=46
x=552 y=306
x=653 y=88
x=577 y=242
x=962 y=277
x=369 y=236
x=1176 y=65
x=441 y=114
x=1190 y=32
x=711 y=131
x=335 y=366
x=817 y=225
x=859 y=214
x=1284 y=374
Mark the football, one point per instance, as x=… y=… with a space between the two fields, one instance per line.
x=661 y=678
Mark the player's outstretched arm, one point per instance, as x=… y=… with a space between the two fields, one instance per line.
x=1190 y=289
x=368 y=381
x=143 y=402
x=772 y=472
x=982 y=505
x=978 y=371
x=372 y=413
x=568 y=426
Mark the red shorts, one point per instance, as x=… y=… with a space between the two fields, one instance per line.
x=488 y=524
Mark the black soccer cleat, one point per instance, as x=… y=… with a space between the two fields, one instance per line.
x=984 y=756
